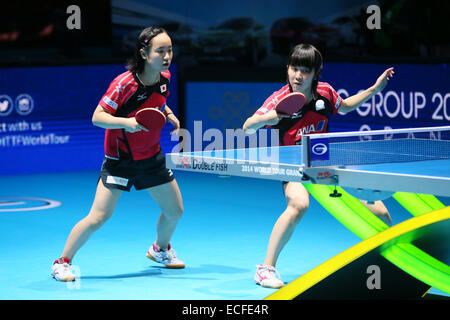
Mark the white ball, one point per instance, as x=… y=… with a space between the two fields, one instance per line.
x=320 y=105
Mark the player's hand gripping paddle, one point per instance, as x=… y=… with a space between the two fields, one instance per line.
x=291 y=103
x=154 y=120
x=151 y=118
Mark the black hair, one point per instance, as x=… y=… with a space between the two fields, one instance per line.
x=135 y=62
x=306 y=55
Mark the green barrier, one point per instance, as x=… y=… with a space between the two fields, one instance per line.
x=391 y=244
x=362 y=222
x=418 y=204
x=432 y=201
x=420 y=265
x=347 y=210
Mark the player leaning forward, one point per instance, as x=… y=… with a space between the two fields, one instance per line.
x=130 y=159
x=303 y=72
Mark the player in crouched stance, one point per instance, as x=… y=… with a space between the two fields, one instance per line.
x=303 y=71
x=130 y=160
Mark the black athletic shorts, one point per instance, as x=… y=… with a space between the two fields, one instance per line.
x=142 y=174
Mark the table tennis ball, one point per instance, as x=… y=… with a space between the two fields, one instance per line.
x=320 y=105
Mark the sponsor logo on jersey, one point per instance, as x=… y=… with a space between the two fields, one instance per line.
x=142 y=97
x=110 y=103
x=297 y=115
x=338 y=103
x=311 y=128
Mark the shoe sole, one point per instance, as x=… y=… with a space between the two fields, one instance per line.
x=278 y=287
x=168 y=266
x=66 y=279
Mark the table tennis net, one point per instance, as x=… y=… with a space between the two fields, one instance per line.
x=386 y=148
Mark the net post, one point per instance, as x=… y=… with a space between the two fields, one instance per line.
x=306 y=157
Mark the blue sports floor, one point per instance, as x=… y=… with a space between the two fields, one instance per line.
x=222 y=236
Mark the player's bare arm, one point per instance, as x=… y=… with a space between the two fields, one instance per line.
x=257 y=121
x=104 y=119
x=172 y=119
x=353 y=102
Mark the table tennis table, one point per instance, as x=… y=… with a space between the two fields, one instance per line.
x=370 y=165
x=411 y=165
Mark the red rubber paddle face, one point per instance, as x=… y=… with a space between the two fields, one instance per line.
x=291 y=103
x=151 y=118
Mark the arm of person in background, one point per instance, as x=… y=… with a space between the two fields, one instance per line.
x=172 y=119
x=258 y=121
x=353 y=102
x=104 y=119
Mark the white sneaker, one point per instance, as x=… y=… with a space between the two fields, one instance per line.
x=61 y=270
x=167 y=257
x=268 y=277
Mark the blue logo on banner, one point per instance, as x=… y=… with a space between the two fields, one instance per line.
x=319 y=149
x=24 y=104
x=6 y=105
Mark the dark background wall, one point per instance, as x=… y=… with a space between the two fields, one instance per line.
x=229 y=56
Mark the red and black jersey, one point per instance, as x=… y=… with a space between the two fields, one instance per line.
x=312 y=118
x=124 y=97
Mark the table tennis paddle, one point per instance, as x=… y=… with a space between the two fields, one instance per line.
x=291 y=103
x=151 y=118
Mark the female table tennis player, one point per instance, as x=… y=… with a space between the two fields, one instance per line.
x=130 y=160
x=303 y=72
